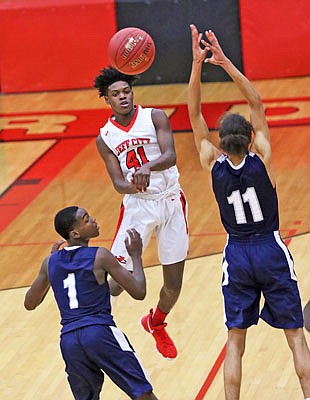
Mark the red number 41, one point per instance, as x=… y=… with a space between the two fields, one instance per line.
x=132 y=159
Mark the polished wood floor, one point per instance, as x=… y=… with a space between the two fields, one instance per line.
x=36 y=181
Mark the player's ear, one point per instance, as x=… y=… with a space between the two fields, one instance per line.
x=74 y=234
x=106 y=99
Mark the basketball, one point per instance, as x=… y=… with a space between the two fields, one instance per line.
x=131 y=51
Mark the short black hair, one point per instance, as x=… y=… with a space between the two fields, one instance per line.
x=235 y=134
x=110 y=75
x=64 y=221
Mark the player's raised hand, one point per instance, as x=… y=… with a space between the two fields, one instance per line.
x=218 y=57
x=56 y=246
x=199 y=54
x=133 y=243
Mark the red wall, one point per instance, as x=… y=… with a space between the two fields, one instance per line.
x=53 y=44
x=62 y=44
x=275 y=38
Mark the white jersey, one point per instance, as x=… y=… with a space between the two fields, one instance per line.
x=135 y=145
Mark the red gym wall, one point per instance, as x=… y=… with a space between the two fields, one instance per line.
x=53 y=44
x=62 y=44
x=275 y=38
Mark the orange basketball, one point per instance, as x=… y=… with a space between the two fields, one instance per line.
x=131 y=51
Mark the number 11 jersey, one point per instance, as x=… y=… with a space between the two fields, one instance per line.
x=247 y=200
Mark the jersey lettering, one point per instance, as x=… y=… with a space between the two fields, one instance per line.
x=249 y=196
x=132 y=160
x=69 y=283
x=130 y=142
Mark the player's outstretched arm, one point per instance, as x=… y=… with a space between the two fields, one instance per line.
x=207 y=151
x=257 y=113
x=39 y=288
x=134 y=283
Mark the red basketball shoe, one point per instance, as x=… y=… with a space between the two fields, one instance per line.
x=164 y=343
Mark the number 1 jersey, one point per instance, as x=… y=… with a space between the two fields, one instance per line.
x=80 y=298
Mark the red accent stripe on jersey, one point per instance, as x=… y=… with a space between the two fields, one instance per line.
x=120 y=219
x=183 y=201
x=128 y=127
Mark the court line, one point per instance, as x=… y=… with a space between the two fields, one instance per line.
x=38 y=175
x=285 y=236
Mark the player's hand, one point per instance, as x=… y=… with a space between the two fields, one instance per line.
x=218 y=57
x=56 y=246
x=141 y=178
x=199 y=54
x=133 y=243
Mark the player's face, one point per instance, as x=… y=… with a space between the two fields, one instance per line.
x=86 y=225
x=120 y=97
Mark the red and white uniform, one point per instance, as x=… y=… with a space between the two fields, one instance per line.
x=163 y=206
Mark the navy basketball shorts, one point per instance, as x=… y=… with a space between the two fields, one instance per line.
x=91 y=351
x=256 y=266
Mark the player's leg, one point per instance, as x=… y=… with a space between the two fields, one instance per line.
x=172 y=285
x=134 y=213
x=235 y=347
x=109 y=348
x=172 y=238
x=84 y=377
x=154 y=322
x=147 y=396
x=173 y=242
x=241 y=308
x=301 y=356
x=285 y=312
x=306 y=312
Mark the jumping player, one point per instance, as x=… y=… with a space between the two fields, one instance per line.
x=90 y=342
x=255 y=259
x=137 y=147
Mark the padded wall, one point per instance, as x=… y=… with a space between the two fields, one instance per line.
x=275 y=38
x=168 y=23
x=53 y=44
x=62 y=44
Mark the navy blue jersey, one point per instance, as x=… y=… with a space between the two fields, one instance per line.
x=80 y=298
x=247 y=201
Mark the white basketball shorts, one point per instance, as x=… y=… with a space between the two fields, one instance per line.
x=166 y=217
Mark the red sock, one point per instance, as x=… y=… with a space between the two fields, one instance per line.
x=158 y=317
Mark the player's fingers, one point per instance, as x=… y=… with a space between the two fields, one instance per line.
x=56 y=245
x=211 y=37
x=145 y=182
x=138 y=182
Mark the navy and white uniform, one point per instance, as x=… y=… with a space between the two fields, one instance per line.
x=163 y=207
x=255 y=259
x=90 y=341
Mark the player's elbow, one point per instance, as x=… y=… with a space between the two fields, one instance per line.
x=256 y=101
x=171 y=158
x=30 y=302
x=139 y=294
x=29 y=306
